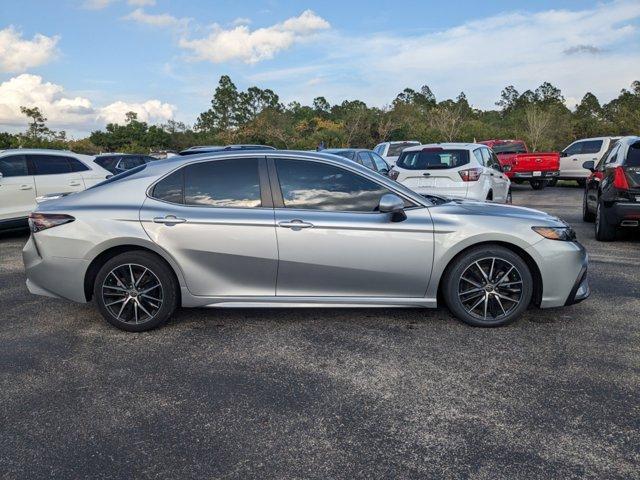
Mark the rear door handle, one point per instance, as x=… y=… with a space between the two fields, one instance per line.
x=26 y=187
x=169 y=220
x=295 y=224
x=74 y=183
x=426 y=174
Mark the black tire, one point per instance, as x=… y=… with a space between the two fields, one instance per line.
x=114 y=289
x=587 y=215
x=479 y=257
x=605 y=231
x=552 y=183
x=509 y=198
x=582 y=182
x=537 y=184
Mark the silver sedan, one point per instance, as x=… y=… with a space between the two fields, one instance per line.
x=293 y=229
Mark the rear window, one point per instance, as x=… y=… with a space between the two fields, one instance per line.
x=395 y=149
x=120 y=176
x=432 y=159
x=510 y=147
x=633 y=156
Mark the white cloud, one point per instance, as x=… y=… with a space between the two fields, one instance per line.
x=151 y=111
x=67 y=111
x=155 y=20
x=18 y=54
x=254 y=46
x=481 y=57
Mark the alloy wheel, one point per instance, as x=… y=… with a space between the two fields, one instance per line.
x=132 y=293
x=490 y=289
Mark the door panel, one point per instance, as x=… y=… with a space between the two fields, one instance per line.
x=53 y=175
x=354 y=254
x=17 y=189
x=222 y=251
x=17 y=196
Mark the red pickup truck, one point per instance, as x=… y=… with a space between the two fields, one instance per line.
x=521 y=166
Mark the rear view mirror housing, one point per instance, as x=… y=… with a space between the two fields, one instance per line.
x=393 y=204
x=563 y=154
x=589 y=165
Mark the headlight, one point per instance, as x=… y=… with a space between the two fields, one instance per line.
x=556 y=233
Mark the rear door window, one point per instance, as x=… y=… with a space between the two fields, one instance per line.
x=14 y=166
x=591 y=146
x=633 y=156
x=77 y=165
x=433 y=159
x=478 y=154
x=50 y=164
x=574 y=149
x=223 y=183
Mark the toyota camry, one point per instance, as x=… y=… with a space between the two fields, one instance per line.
x=293 y=229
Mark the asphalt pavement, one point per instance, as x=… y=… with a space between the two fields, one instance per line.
x=327 y=393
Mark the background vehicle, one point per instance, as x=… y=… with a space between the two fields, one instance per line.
x=26 y=174
x=368 y=158
x=519 y=165
x=612 y=193
x=217 y=148
x=293 y=229
x=580 y=151
x=390 y=151
x=462 y=170
x=121 y=162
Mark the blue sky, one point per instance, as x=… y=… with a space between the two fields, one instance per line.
x=86 y=62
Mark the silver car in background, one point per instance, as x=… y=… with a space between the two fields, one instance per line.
x=293 y=229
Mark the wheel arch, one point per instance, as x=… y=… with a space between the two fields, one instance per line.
x=111 y=251
x=538 y=286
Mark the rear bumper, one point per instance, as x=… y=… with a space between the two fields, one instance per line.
x=54 y=276
x=620 y=213
x=531 y=176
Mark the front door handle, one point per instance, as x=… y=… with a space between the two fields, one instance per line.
x=26 y=187
x=74 y=183
x=169 y=220
x=295 y=224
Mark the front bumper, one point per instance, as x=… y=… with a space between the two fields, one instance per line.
x=580 y=290
x=530 y=175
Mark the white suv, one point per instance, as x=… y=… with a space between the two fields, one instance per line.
x=26 y=174
x=390 y=151
x=580 y=151
x=462 y=170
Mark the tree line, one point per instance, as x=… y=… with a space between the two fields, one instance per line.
x=257 y=115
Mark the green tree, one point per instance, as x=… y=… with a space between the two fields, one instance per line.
x=223 y=113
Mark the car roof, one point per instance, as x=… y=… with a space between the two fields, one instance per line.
x=452 y=145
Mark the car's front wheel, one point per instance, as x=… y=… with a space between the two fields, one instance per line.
x=488 y=286
x=136 y=291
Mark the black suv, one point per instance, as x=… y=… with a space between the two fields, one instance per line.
x=612 y=191
x=368 y=158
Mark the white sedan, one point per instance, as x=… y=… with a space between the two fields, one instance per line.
x=26 y=174
x=460 y=170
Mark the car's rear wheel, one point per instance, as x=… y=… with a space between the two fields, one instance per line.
x=605 y=231
x=587 y=215
x=488 y=286
x=509 y=200
x=136 y=291
x=537 y=184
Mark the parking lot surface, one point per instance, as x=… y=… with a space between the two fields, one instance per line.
x=327 y=393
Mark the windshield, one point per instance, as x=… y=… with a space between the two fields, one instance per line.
x=120 y=176
x=510 y=147
x=395 y=149
x=433 y=159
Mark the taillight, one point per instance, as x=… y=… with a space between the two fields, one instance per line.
x=42 y=221
x=620 y=179
x=393 y=174
x=470 y=175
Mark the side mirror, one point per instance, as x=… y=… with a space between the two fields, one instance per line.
x=384 y=172
x=563 y=154
x=589 y=165
x=393 y=204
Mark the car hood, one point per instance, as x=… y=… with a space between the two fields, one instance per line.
x=501 y=210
